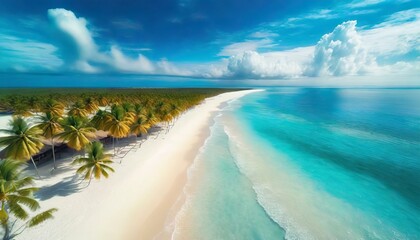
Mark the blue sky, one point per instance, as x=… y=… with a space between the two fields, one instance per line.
x=257 y=41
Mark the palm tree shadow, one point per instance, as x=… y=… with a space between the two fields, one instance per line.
x=63 y=188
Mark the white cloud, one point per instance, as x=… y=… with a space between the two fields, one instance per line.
x=80 y=52
x=399 y=34
x=20 y=54
x=169 y=68
x=340 y=52
x=344 y=51
x=373 y=51
x=240 y=47
x=75 y=42
x=263 y=34
x=125 y=64
x=251 y=64
x=74 y=29
x=364 y=3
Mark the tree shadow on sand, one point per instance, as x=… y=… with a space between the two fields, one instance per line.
x=63 y=188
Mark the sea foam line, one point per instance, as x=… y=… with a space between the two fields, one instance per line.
x=268 y=203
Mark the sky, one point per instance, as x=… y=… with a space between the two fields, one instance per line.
x=277 y=42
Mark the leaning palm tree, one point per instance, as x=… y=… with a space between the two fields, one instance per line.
x=139 y=109
x=77 y=134
x=100 y=119
x=140 y=126
x=96 y=164
x=78 y=109
x=151 y=118
x=103 y=101
x=16 y=199
x=118 y=124
x=91 y=105
x=50 y=126
x=129 y=110
x=21 y=141
x=54 y=107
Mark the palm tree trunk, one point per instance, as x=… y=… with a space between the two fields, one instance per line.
x=6 y=235
x=117 y=146
x=113 y=144
x=53 y=152
x=36 y=169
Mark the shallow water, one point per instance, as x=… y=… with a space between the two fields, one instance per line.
x=301 y=163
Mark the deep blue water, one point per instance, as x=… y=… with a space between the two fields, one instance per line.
x=305 y=163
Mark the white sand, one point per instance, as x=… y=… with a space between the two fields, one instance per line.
x=135 y=201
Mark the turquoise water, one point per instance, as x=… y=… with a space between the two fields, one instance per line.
x=297 y=163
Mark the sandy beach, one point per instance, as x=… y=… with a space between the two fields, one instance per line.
x=136 y=200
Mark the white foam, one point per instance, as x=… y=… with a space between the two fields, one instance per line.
x=291 y=200
x=174 y=221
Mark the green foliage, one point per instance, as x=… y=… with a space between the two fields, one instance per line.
x=77 y=132
x=16 y=197
x=21 y=141
x=96 y=163
x=42 y=217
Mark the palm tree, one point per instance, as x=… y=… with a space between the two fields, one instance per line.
x=129 y=110
x=151 y=118
x=103 y=101
x=16 y=199
x=174 y=111
x=118 y=123
x=140 y=126
x=50 y=126
x=166 y=117
x=78 y=110
x=91 y=105
x=77 y=133
x=21 y=109
x=139 y=109
x=96 y=163
x=34 y=104
x=54 y=107
x=22 y=141
x=100 y=119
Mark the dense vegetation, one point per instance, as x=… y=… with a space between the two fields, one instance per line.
x=74 y=117
x=23 y=100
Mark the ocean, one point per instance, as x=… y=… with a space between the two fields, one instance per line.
x=308 y=163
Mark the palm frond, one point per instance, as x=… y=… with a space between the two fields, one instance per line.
x=42 y=217
x=27 y=201
x=17 y=210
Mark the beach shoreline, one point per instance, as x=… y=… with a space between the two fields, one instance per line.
x=136 y=201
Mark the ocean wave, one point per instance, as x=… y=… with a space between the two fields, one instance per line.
x=264 y=197
x=293 y=201
x=172 y=225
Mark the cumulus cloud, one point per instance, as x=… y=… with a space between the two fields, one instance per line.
x=79 y=51
x=386 y=48
x=340 y=52
x=123 y=63
x=76 y=45
x=250 y=45
x=251 y=64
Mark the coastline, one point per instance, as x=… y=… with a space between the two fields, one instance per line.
x=136 y=200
